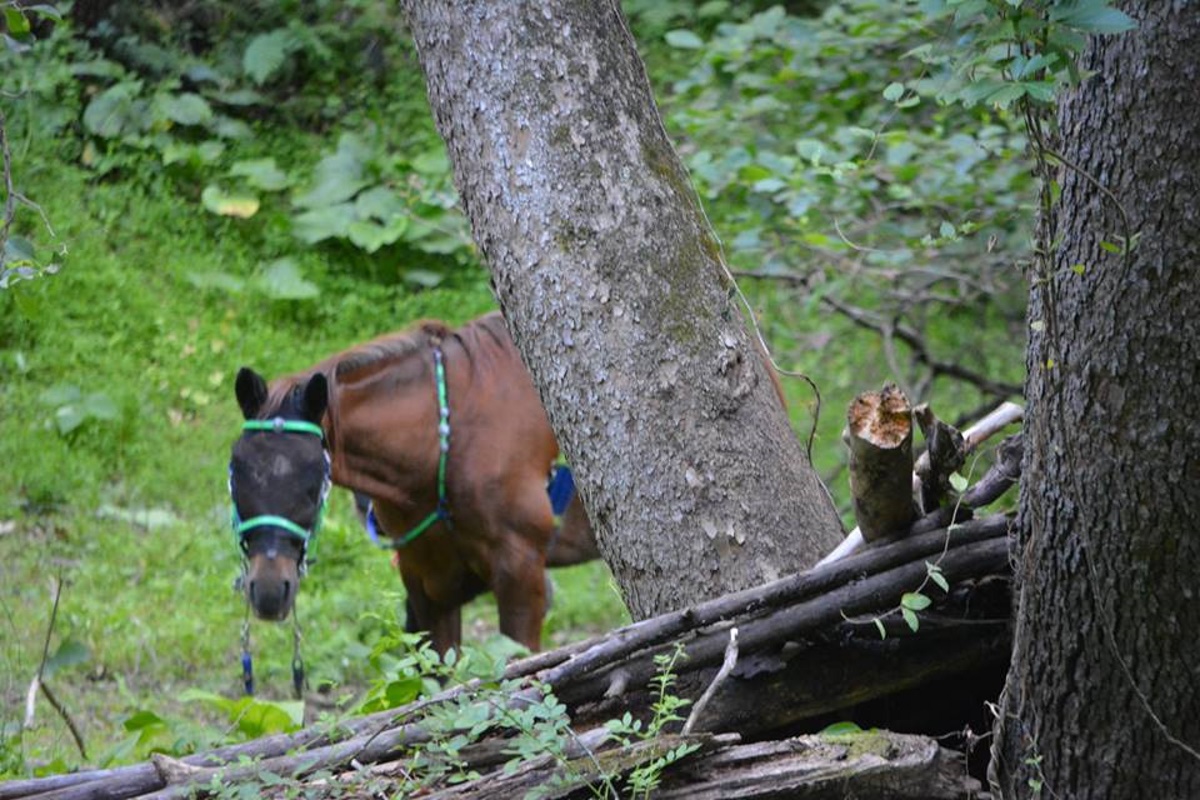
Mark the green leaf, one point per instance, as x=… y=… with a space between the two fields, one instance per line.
x=266 y=53
x=935 y=575
x=1092 y=16
x=958 y=482
x=1111 y=247
x=402 y=691
x=893 y=92
x=99 y=405
x=845 y=728
x=432 y=162
x=370 y=236
x=911 y=619
x=18 y=25
x=216 y=280
x=261 y=173
x=281 y=280
x=67 y=418
x=185 y=109
x=915 y=601
x=68 y=654
x=229 y=204
x=143 y=719
x=332 y=222
x=683 y=39
x=338 y=177
x=112 y=111
x=262 y=717
x=18 y=248
x=879 y=625
x=1006 y=95
x=60 y=394
x=381 y=203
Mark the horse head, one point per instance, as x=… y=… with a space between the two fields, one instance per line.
x=279 y=477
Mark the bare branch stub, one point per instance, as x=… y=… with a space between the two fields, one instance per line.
x=879 y=436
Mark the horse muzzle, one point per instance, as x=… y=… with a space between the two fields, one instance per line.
x=271 y=584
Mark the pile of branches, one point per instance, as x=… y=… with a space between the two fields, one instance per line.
x=761 y=670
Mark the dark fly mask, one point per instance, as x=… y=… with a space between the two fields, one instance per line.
x=296 y=523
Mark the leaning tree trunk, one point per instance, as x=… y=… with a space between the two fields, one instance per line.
x=1103 y=696
x=614 y=288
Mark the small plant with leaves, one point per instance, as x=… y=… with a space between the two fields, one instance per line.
x=665 y=711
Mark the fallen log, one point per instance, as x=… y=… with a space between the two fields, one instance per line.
x=878 y=764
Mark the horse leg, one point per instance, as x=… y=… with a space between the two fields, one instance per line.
x=441 y=621
x=519 y=583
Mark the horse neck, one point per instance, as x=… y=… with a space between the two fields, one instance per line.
x=382 y=423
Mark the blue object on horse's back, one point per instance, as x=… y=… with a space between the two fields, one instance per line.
x=561 y=488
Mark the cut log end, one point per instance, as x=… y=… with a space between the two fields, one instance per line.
x=882 y=419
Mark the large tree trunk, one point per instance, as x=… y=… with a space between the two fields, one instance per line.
x=1103 y=696
x=614 y=288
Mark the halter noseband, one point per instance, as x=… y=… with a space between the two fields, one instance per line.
x=305 y=535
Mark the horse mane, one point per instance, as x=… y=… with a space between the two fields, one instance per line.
x=389 y=347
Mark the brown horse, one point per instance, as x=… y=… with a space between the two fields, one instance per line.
x=444 y=432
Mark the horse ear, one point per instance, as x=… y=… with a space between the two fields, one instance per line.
x=316 y=398
x=251 y=391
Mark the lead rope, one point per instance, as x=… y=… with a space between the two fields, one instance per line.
x=297 y=662
x=247 y=661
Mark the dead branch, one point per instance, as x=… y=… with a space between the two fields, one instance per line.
x=945 y=452
x=800 y=631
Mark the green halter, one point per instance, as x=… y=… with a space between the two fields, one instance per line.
x=305 y=535
x=442 y=512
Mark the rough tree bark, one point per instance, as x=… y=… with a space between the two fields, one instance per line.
x=614 y=288
x=1103 y=696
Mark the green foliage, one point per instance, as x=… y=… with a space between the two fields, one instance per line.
x=251 y=716
x=853 y=207
x=197 y=122
x=1005 y=52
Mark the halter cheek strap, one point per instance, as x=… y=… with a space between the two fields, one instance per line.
x=442 y=512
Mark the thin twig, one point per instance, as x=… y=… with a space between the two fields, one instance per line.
x=37 y=679
x=62 y=712
x=731 y=657
x=10 y=196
